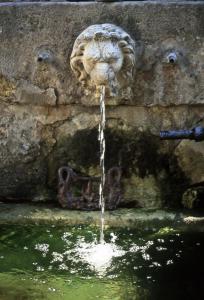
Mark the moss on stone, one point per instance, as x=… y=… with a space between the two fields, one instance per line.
x=7 y=88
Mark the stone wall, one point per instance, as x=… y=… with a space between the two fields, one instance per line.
x=47 y=120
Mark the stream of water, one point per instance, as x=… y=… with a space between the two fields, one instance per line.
x=101 y=138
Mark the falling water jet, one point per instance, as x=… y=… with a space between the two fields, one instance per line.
x=101 y=139
x=109 y=72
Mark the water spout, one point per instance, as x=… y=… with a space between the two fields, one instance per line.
x=104 y=55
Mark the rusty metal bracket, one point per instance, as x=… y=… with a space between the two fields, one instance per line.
x=81 y=192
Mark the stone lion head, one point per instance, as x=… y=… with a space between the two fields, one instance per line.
x=103 y=55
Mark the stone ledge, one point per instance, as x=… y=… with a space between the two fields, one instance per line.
x=138 y=218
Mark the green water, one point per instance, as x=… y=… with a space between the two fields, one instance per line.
x=47 y=262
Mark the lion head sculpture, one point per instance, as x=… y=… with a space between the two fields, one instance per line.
x=103 y=54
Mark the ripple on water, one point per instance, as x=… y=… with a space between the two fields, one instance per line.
x=143 y=260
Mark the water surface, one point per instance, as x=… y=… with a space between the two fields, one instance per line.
x=47 y=262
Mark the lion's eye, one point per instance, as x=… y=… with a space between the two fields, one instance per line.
x=112 y=60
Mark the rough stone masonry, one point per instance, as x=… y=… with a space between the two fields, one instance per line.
x=47 y=120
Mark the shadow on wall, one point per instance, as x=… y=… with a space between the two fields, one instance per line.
x=139 y=156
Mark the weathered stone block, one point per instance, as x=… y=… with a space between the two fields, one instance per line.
x=47 y=120
x=191 y=160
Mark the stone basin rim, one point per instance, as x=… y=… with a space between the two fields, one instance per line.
x=32 y=214
x=88 y=3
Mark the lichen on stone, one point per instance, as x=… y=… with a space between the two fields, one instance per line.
x=7 y=88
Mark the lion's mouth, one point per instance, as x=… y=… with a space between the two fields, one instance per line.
x=102 y=74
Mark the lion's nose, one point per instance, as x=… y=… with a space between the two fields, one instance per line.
x=102 y=73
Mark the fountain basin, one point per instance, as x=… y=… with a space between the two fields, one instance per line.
x=52 y=262
x=23 y=214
